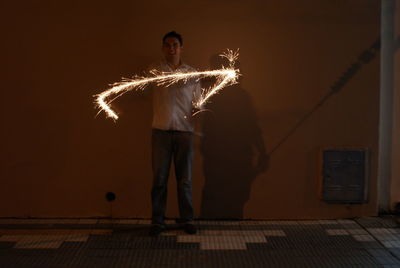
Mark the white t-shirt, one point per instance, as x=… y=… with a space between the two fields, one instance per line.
x=172 y=105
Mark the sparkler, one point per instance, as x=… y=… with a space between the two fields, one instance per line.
x=225 y=76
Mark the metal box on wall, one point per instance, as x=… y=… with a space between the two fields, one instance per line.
x=344 y=175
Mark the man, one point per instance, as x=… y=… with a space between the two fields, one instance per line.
x=172 y=137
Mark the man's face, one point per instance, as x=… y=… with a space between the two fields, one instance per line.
x=172 y=49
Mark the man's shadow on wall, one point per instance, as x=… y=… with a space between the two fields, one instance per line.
x=233 y=151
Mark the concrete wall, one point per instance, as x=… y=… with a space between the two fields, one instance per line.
x=59 y=160
x=395 y=185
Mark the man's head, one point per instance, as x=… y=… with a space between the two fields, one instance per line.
x=172 y=47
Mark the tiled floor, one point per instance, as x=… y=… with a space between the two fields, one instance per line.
x=364 y=242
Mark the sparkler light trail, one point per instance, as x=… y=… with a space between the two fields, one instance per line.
x=225 y=76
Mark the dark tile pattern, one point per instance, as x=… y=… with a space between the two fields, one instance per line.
x=283 y=244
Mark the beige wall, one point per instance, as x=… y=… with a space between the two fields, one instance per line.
x=395 y=186
x=58 y=160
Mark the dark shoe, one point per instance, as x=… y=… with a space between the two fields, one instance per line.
x=180 y=221
x=156 y=230
x=190 y=228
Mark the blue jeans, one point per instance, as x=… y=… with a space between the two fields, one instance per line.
x=168 y=145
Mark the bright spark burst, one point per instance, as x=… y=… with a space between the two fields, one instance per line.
x=225 y=76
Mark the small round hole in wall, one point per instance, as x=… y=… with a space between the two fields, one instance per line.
x=110 y=196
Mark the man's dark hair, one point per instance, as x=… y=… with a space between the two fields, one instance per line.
x=174 y=35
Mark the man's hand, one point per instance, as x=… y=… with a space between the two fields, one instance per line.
x=195 y=111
